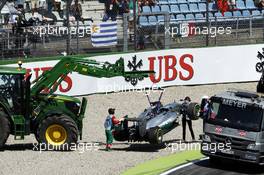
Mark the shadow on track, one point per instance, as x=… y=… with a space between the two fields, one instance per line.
x=140 y=147
x=145 y=147
x=18 y=147
x=232 y=167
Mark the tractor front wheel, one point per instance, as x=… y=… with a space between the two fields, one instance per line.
x=4 y=128
x=58 y=132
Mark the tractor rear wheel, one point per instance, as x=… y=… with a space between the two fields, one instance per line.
x=58 y=132
x=4 y=128
x=155 y=135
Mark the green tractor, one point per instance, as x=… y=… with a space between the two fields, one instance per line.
x=28 y=108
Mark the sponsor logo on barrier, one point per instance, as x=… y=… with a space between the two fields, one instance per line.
x=172 y=67
x=184 y=72
x=169 y=68
x=260 y=64
x=134 y=66
x=37 y=71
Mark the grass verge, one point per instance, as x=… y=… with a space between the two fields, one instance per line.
x=162 y=164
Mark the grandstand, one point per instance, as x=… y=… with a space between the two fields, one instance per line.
x=195 y=11
x=246 y=23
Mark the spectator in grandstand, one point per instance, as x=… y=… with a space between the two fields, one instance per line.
x=21 y=22
x=33 y=21
x=13 y=13
x=261 y=4
x=6 y=19
x=57 y=6
x=76 y=11
x=19 y=4
x=131 y=17
x=226 y=5
x=11 y=7
x=232 y=5
x=34 y=6
x=111 y=10
x=123 y=7
x=115 y=8
x=27 y=2
x=42 y=4
x=222 y=6
x=49 y=5
x=13 y=22
x=131 y=6
x=146 y=2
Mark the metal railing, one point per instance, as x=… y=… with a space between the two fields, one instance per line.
x=200 y=33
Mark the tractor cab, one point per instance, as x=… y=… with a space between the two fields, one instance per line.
x=13 y=97
x=12 y=88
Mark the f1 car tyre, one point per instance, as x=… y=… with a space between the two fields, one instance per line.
x=4 y=128
x=155 y=136
x=193 y=111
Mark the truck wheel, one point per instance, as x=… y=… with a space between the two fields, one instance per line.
x=4 y=128
x=193 y=111
x=58 y=132
x=155 y=136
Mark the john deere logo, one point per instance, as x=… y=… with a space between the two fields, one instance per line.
x=134 y=65
x=260 y=64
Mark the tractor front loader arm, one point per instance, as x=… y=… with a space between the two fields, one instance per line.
x=51 y=79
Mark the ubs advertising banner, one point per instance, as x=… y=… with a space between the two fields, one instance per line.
x=172 y=67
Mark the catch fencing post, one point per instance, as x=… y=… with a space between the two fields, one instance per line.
x=167 y=35
x=250 y=26
x=125 y=33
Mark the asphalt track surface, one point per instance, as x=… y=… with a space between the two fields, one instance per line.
x=204 y=167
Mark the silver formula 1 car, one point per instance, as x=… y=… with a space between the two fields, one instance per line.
x=155 y=121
